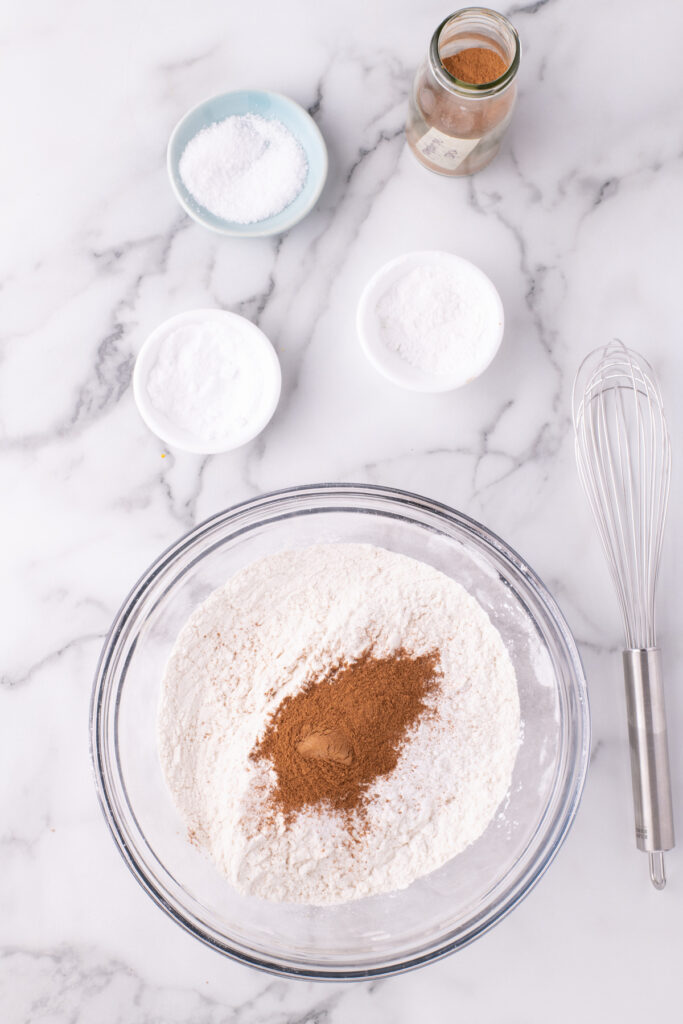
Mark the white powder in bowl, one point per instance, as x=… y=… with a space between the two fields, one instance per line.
x=430 y=321
x=436 y=319
x=287 y=620
x=244 y=169
x=206 y=379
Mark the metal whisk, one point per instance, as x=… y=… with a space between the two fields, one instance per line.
x=624 y=458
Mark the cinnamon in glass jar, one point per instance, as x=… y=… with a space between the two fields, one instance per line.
x=464 y=93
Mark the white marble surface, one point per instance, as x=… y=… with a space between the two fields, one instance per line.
x=578 y=222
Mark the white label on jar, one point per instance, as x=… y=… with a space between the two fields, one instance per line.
x=445 y=150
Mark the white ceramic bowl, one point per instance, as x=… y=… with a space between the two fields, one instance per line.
x=390 y=363
x=174 y=435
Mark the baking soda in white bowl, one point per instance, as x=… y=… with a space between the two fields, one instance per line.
x=207 y=381
x=430 y=321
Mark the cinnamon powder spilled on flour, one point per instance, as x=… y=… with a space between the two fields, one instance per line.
x=331 y=741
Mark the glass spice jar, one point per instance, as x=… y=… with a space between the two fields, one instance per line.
x=455 y=127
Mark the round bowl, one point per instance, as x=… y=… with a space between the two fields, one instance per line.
x=271 y=106
x=170 y=432
x=389 y=363
x=439 y=913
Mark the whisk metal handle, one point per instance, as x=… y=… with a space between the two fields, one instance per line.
x=649 y=756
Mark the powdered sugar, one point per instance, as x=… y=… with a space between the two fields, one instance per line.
x=286 y=620
x=244 y=168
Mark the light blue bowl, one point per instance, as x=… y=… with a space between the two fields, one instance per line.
x=272 y=106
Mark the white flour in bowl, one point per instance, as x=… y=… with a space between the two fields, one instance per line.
x=285 y=621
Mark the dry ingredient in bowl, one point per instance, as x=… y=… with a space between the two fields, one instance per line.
x=264 y=740
x=244 y=169
x=334 y=738
x=207 y=379
x=436 y=319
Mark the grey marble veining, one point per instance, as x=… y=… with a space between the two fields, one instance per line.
x=578 y=222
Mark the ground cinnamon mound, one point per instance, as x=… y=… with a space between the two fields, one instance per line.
x=476 y=65
x=331 y=741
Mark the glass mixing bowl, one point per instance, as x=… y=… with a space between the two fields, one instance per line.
x=437 y=914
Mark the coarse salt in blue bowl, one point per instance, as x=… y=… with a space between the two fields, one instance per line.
x=271 y=106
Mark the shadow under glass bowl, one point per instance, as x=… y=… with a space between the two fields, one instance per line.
x=439 y=913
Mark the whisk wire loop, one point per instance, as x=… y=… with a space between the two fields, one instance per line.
x=624 y=458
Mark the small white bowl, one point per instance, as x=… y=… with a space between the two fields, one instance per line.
x=176 y=436
x=388 y=362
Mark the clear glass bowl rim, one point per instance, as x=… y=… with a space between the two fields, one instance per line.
x=326 y=494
